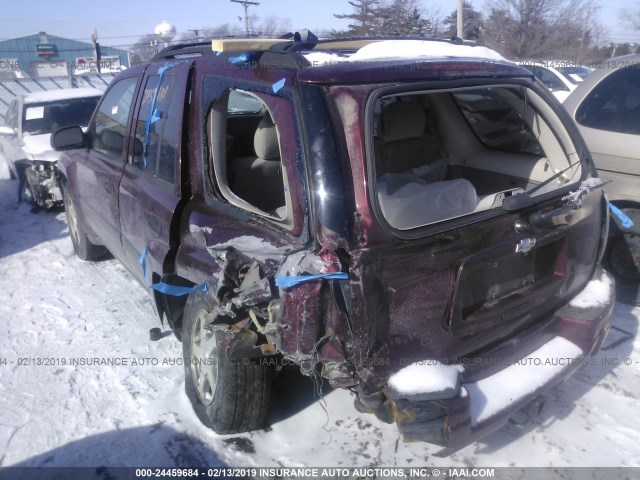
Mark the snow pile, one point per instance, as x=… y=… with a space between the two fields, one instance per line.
x=428 y=376
x=399 y=49
x=501 y=390
x=596 y=293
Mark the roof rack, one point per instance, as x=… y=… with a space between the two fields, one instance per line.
x=290 y=43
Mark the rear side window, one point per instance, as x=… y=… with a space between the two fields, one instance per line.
x=496 y=122
x=614 y=105
x=110 y=128
x=156 y=141
x=245 y=130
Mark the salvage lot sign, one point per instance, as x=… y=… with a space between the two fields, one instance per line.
x=46 y=50
x=89 y=64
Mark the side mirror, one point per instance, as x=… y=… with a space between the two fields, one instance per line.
x=69 y=138
x=7 y=131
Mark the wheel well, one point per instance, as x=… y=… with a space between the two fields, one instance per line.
x=614 y=227
x=172 y=306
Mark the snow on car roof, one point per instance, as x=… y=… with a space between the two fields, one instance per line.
x=62 y=94
x=403 y=49
x=386 y=50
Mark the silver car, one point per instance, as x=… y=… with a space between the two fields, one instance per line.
x=606 y=108
x=24 y=138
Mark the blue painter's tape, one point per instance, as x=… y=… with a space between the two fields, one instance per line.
x=176 y=291
x=626 y=221
x=288 y=282
x=165 y=288
x=143 y=262
x=278 y=85
x=154 y=113
x=239 y=59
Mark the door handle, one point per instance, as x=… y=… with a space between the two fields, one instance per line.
x=108 y=187
x=154 y=223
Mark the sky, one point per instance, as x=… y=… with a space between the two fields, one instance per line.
x=121 y=23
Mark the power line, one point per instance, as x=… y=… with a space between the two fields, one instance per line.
x=245 y=4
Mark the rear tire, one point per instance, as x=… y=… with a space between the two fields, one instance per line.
x=622 y=258
x=228 y=395
x=82 y=246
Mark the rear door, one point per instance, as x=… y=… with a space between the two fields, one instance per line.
x=150 y=187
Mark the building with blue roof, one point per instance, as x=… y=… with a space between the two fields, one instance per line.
x=43 y=55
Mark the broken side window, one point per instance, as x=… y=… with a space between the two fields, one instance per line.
x=244 y=129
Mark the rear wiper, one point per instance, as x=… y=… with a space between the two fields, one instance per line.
x=571 y=201
x=524 y=200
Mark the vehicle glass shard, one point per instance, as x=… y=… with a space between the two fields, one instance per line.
x=154 y=113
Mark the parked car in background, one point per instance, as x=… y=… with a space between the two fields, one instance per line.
x=411 y=220
x=558 y=76
x=606 y=108
x=575 y=73
x=25 y=138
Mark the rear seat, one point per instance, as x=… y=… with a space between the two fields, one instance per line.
x=258 y=179
x=412 y=168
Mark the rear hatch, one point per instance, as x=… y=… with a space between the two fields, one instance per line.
x=476 y=216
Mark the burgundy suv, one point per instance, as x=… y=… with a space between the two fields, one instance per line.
x=417 y=221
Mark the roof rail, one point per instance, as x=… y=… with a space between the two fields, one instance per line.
x=290 y=43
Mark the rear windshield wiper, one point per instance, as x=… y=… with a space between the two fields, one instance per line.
x=524 y=200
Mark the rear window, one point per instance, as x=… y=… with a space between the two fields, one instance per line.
x=440 y=155
x=495 y=122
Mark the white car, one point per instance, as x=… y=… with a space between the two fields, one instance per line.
x=606 y=109
x=559 y=77
x=25 y=136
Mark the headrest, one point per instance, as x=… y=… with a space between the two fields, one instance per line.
x=402 y=121
x=265 y=141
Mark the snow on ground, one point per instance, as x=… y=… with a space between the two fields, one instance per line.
x=55 y=307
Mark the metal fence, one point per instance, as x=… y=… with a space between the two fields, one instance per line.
x=9 y=89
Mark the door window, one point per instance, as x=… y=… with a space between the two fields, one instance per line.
x=110 y=128
x=157 y=129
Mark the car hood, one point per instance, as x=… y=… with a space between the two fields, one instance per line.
x=39 y=147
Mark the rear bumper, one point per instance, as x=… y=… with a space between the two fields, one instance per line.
x=492 y=388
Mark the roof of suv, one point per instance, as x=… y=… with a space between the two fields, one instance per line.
x=374 y=59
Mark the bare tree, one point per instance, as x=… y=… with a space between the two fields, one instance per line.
x=631 y=17
x=271 y=27
x=145 y=48
x=541 y=28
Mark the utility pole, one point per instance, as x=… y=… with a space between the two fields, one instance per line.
x=460 y=29
x=245 y=4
